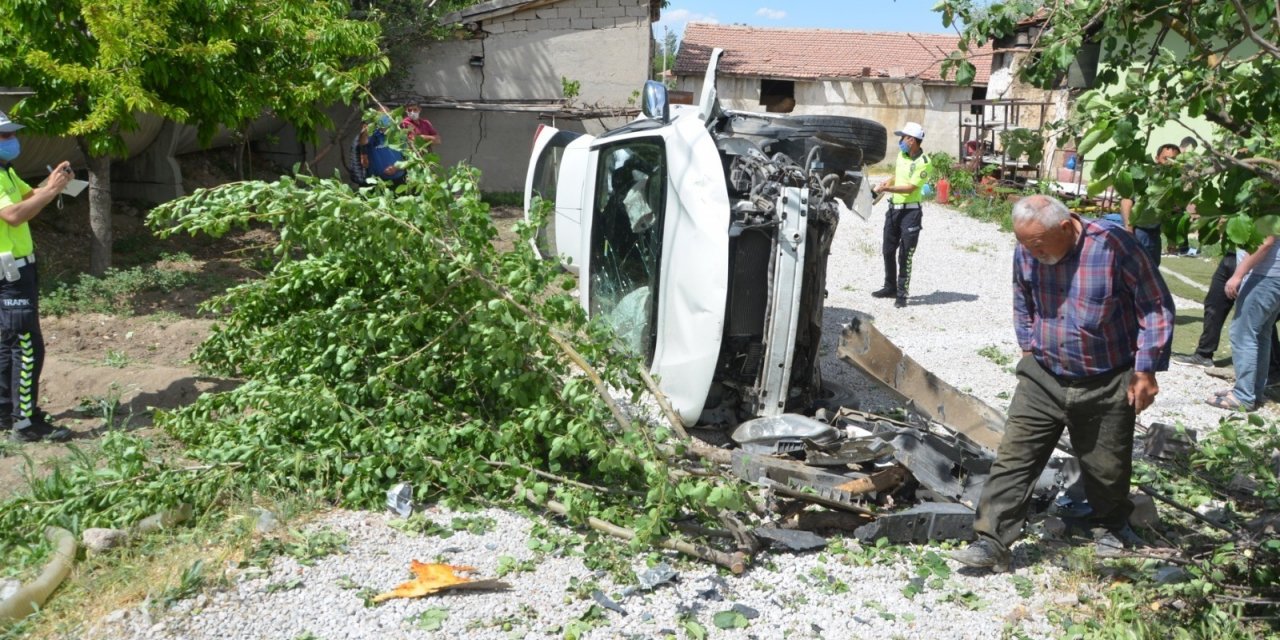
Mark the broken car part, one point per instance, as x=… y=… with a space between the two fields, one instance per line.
x=863 y=346
x=921 y=523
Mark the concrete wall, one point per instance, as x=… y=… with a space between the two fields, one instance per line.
x=602 y=44
x=891 y=103
x=498 y=142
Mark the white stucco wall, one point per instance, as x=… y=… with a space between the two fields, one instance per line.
x=602 y=44
x=498 y=142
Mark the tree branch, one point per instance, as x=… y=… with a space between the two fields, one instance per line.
x=1265 y=44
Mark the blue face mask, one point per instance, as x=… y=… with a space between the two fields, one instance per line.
x=385 y=120
x=906 y=148
x=9 y=149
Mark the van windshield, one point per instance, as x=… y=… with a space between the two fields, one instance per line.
x=626 y=240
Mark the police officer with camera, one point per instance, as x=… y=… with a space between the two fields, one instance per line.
x=21 y=343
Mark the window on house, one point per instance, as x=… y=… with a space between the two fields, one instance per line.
x=979 y=93
x=778 y=96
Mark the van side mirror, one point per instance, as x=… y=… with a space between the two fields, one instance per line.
x=655 y=103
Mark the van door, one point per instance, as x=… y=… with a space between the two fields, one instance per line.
x=558 y=174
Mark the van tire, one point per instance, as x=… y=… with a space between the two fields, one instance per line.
x=868 y=135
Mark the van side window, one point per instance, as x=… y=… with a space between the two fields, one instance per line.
x=626 y=240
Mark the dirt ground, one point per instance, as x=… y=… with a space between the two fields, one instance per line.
x=112 y=371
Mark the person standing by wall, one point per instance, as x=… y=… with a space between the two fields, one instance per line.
x=1095 y=323
x=378 y=157
x=1257 y=307
x=418 y=126
x=902 y=223
x=21 y=343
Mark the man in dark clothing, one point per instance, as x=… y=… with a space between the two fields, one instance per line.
x=1095 y=323
x=21 y=343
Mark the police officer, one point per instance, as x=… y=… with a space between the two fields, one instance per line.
x=902 y=222
x=21 y=344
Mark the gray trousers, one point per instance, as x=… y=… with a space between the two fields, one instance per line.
x=1097 y=415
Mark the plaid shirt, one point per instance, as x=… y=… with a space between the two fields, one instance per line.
x=1103 y=307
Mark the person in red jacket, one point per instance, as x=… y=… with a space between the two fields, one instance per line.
x=418 y=126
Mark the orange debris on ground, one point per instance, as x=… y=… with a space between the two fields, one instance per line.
x=434 y=577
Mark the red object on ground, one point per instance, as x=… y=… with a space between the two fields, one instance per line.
x=944 y=191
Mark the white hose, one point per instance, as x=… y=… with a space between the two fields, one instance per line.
x=31 y=596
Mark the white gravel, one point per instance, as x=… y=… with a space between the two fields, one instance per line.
x=961 y=303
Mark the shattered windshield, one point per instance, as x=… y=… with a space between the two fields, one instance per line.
x=626 y=240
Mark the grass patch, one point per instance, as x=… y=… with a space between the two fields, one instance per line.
x=503 y=198
x=994 y=354
x=166 y=567
x=995 y=209
x=1198 y=269
x=112 y=294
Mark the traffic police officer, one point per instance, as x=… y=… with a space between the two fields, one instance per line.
x=21 y=344
x=902 y=222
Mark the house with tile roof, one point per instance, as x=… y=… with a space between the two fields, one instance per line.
x=891 y=78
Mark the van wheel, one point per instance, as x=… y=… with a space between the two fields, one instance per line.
x=868 y=135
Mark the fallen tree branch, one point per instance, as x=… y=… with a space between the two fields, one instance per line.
x=735 y=562
x=1169 y=501
x=561 y=479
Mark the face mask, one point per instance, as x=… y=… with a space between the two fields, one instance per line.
x=9 y=149
x=906 y=148
x=413 y=115
x=385 y=120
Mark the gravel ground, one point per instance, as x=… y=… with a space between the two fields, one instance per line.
x=961 y=304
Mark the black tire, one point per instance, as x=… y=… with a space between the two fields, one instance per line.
x=868 y=135
x=837 y=156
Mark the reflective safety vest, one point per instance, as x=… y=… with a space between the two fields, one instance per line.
x=15 y=240
x=912 y=172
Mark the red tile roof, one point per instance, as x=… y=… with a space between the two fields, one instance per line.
x=812 y=54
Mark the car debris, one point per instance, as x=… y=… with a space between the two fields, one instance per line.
x=400 y=499
x=606 y=602
x=791 y=539
x=921 y=523
x=655 y=576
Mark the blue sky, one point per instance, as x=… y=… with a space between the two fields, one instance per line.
x=860 y=15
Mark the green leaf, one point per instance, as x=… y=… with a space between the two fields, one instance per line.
x=1091 y=140
x=730 y=620
x=1124 y=183
x=694 y=628
x=1240 y=230
x=432 y=619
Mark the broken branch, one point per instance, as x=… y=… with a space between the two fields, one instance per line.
x=735 y=562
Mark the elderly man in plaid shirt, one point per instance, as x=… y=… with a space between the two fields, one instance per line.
x=1095 y=323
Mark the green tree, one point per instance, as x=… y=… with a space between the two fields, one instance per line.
x=1169 y=62
x=95 y=65
x=665 y=49
x=406 y=26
